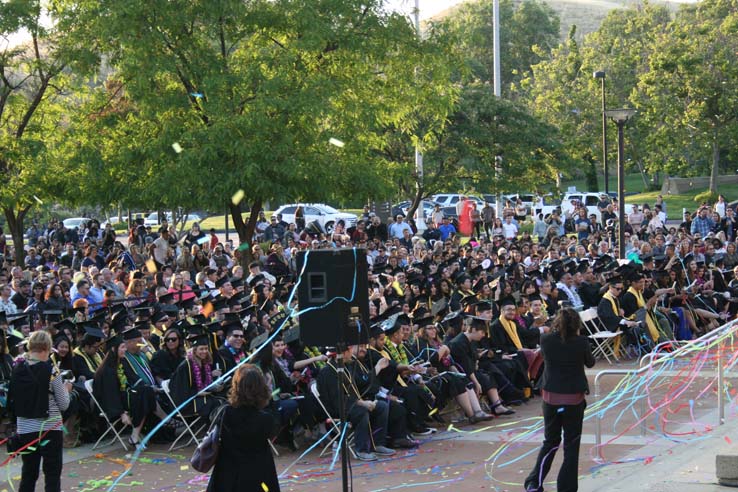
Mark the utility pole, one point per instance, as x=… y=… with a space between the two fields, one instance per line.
x=498 y=93
x=420 y=213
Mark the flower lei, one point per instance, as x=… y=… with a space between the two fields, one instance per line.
x=122 y=379
x=200 y=382
x=313 y=352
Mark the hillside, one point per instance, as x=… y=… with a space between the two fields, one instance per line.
x=585 y=14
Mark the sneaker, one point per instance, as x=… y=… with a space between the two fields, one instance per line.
x=364 y=456
x=383 y=451
x=405 y=443
x=422 y=432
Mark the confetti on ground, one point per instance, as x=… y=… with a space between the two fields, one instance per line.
x=177 y=148
x=237 y=197
x=336 y=142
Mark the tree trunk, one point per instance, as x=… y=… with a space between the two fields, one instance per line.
x=715 y=162
x=591 y=175
x=245 y=230
x=15 y=226
x=419 y=190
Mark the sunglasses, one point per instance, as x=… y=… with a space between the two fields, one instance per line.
x=237 y=336
x=171 y=339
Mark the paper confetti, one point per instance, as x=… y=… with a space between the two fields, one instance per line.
x=207 y=309
x=151 y=266
x=243 y=246
x=727 y=439
x=264 y=487
x=435 y=410
x=203 y=240
x=237 y=197
x=561 y=410
x=336 y=142
x=177 y=148
x=197 y=95
x=38 y=200
x=184 y=467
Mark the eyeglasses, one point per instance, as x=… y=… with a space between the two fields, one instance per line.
x=618 y=288
x=172 y=339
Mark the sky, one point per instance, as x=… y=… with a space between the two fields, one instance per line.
x=428 y=8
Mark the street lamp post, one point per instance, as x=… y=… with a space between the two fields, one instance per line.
x=600 y=74
x=620 y=117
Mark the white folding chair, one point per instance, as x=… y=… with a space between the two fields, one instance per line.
x=603 y=339
x=190 y=422
x=335 y=424
x=112 y=426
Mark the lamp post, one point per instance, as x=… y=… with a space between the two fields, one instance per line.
x=600 y=74
x=620 y=117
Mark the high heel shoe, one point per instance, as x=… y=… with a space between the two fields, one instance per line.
x=506 y=412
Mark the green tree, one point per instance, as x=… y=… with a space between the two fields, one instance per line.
x=564 y=93
x=689 y=92
x=35 y=82
x=486 y=133
x=528 y=31
x=253 y=91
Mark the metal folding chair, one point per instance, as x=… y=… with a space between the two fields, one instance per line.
x=190 y=422
x=112 y=425
x=335 y=424
x=603 y=339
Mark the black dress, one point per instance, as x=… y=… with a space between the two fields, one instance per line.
x=139 y=402
x=245 y=461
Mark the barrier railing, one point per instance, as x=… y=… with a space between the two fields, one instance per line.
x=657 y=357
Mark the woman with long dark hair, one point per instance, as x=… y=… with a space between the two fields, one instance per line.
x=245 y=461
x=167 y=358
x=564 y=385
x=117 y=395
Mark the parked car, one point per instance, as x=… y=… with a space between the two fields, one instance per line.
x=325 y=215
x=402 y=208
x=75 y=222
x=588 y=199
x=449 y=199
x=153 y=219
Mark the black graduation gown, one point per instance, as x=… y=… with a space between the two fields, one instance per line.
x=590 y=294
x=516 y=369
x=244 y=460
x=84 y=366
x=183 y=387
x=164 y=363
x=141 y=394
x=445 y=387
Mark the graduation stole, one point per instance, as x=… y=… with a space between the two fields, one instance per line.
x=390 y=352
x=512 y=331
x=140 y=366
x=92 y=364
x=613 y=302
x=651 y=323
x=397 y=354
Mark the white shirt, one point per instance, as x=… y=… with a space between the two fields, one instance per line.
x=510 y=230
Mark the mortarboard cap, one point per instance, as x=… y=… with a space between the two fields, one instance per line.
x=131 y=334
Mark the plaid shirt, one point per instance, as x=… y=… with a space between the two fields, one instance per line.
x=702 y=227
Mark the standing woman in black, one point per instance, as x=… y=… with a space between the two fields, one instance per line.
x=564 y=385
x=245 y=462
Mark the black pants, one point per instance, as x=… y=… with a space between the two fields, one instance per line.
x=51 y=452
x=558 y=417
